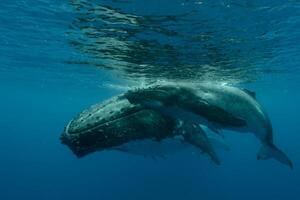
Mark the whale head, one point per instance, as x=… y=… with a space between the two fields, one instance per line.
x=113 y=123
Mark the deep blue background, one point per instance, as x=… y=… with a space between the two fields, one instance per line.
x=39 y=94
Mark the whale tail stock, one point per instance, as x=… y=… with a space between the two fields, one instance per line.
x=269 y=150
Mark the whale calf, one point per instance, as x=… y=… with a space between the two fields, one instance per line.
x=215 y=106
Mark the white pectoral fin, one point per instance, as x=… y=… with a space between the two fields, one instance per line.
x=197 y=137
x=216 y=140
x=219 y=143
x=268 y=151
x=215 y=130
x=211 y=128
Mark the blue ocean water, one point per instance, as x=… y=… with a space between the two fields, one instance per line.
x=59 y=57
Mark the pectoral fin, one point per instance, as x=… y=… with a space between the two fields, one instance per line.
x=216 y=140
x=219 y=144
x=216 y=131
x=195 y=135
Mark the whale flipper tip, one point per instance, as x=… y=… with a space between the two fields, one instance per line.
x=268 y=151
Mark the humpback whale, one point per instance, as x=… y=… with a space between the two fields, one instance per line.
x=112 y=123
x=117 y=124
x=215 y=106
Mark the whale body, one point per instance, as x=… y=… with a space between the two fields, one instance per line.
x=117 y=124
x=215 y=106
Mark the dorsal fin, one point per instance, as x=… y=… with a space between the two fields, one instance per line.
x=251 y=93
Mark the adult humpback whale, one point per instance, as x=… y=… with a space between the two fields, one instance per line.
x=113 y=123
x=217 y=107
x=117 y=124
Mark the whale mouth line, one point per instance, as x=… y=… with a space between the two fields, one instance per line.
x=96 y=126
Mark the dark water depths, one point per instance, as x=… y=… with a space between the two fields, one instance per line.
x=58 y=57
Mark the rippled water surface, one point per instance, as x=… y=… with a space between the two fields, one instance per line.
x=236 y=41
x=227 y=40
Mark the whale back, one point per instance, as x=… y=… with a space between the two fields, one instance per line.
x=239 y=103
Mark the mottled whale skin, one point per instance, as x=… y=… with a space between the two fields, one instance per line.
x=113 y=123
x=117 y=124
x=244 y=105
x=215 y=106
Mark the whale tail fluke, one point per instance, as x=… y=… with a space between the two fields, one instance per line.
x=268 y=151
